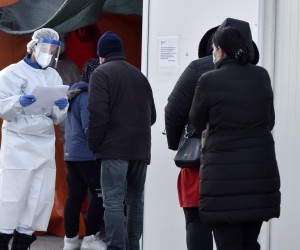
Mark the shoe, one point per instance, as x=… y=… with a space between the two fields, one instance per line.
x=22 y=241
x=92 y=242
x=4 y=240
x=71 y=243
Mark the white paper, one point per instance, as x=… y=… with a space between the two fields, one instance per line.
x=46 y=96
x=168 y=51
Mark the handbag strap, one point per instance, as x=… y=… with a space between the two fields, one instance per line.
x=188 y=134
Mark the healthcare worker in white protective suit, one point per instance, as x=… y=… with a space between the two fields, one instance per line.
x=27 y=156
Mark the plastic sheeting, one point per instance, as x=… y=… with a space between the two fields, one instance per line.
x=125 y=7
x=26 y=16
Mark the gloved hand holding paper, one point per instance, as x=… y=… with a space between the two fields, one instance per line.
x=46 y=96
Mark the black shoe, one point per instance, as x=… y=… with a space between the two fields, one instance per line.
x=22 y=241
x=4 y=240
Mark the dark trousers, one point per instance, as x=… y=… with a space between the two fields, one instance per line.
x=237 y=236
x=198 y=234
x=81 y=177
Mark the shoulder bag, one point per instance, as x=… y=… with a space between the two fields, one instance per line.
x=189 y=150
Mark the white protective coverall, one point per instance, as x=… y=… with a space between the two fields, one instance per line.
x=27 y=156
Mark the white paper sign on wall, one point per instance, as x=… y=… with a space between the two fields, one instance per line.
x=168 y=51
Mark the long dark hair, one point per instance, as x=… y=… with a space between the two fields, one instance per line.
x=232 y=42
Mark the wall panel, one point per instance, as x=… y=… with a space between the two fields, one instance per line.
x=285 y=231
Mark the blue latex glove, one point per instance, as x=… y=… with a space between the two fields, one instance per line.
x=61 y=103
x=26 y=100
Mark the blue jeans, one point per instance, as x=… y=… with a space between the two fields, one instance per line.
x=123 y=180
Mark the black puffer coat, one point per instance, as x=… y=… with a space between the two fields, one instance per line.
x=239 y=174
x=180 y=100
x=122 y=111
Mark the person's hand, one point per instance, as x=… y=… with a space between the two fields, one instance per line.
x=26 y=100
x=61 y=103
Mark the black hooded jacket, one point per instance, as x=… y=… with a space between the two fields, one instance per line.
x=180 y=99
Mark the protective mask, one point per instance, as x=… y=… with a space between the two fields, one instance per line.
x=43 y=59
x=215 y=60
x=101 y=60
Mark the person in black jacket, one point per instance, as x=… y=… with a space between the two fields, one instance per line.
x=198 y=234
x=239 y=182
x=122 y=112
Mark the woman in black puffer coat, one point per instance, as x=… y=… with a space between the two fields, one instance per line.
x=239 y=184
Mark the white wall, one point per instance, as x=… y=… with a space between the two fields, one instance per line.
x=285 y=230
x=164 y=226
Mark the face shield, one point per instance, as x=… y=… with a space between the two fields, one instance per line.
x=47 y=50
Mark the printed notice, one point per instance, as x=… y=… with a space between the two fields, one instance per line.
x=168 y=51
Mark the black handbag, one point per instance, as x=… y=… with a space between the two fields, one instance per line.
x=189 y=150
